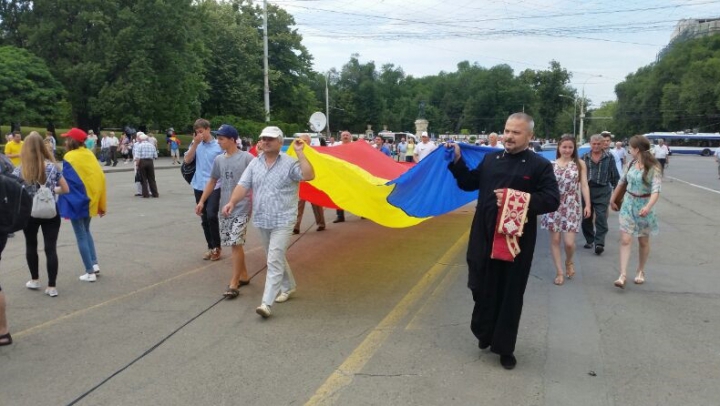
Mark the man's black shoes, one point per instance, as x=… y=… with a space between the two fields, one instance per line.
x=588 y=246
x=508 y=361
x=599 y=249
x=482 y=345
x=339 y=220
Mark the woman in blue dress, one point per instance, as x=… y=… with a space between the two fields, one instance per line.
x=637 y=215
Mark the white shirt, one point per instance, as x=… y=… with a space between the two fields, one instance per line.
x=113 y=141
x=422 y=149
x=661 y=152
x=619 y=155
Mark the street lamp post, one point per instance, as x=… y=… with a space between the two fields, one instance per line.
x=574 y=99
x=582 y=109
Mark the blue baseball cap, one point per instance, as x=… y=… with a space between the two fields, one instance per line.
x=226 y=130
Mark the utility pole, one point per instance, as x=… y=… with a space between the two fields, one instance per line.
x=582 y=115
x=582 y=109
x=574 y=99
x=327 y=105
x=265 y=62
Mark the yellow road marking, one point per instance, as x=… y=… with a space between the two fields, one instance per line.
x=355 y=362
x=33 y=329
x=440 y=291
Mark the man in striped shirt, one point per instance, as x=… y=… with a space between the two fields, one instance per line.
x=144 y=154
x=274 y=178
x=603 y=176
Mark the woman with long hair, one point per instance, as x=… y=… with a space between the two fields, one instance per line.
x=571 y=175
x=643 y=178
x=37 y=168
x=87 y=197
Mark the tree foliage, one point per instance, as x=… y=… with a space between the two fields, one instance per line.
x=165 y=62
x=679 y=91
x=30 y=92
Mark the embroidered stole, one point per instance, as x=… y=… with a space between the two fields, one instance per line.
x=511 y=219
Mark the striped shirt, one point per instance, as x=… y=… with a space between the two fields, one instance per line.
x=602 y=173
x=144 y=150
x=275 y=190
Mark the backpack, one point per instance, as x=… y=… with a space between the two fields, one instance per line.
x=15 y=204
x=43 y=203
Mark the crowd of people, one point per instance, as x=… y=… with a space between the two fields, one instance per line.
x=232 y=188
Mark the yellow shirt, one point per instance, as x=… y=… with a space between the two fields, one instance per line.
x=13 y=148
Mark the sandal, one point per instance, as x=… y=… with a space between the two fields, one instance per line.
x=559 y=280
x=5 y=339
x=569 y=269
x=620 y=282
x=231 y=293
x=640 y=278
x=243 y=283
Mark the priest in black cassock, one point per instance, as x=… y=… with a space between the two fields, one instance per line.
x=498 y=286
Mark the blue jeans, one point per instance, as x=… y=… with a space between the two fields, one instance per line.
x=85 y=242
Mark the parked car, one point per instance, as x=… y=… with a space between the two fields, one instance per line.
x=549 y=146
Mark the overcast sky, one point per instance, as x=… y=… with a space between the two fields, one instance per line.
x=599 y=42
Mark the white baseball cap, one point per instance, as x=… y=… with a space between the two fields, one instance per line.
x=424 y=134
x=272 y=132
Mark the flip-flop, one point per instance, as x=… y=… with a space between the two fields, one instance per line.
x=243 y=283
x=5 y=337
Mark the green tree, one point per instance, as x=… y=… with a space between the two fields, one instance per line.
x=548 y=85
x=602 y=119
x=679 y=91
x=12 y=13
x=30 y=93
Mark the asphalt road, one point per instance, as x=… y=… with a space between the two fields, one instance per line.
x=698 y=170
x=380 y=317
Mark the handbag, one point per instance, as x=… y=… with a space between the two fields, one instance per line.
x=43 y=206
x=622 y=188
x=188 y=171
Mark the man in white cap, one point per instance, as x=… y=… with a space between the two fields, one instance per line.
x=275 y=179
x=144 y=154
x=424 y=148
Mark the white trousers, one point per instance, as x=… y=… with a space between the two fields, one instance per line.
x=279 y=276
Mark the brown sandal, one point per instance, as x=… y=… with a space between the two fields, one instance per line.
x=5 y=339
x=559 y=280
x=569 y=269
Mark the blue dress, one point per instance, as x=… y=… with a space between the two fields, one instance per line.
x=630 y=220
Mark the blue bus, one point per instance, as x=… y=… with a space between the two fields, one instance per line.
x=703 y=144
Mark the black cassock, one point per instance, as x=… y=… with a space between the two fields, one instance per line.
x=498 y=286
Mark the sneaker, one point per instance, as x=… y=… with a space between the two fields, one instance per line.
x=215 y=254
x=207 y=255
x=88 y=277
x=588 y=246
x=33 y=284
x=284 y=296
x=264 y=311
x=96 y=269
x=52 y=292
x=599 y=249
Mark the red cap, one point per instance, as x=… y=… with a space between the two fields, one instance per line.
x=76 y=134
